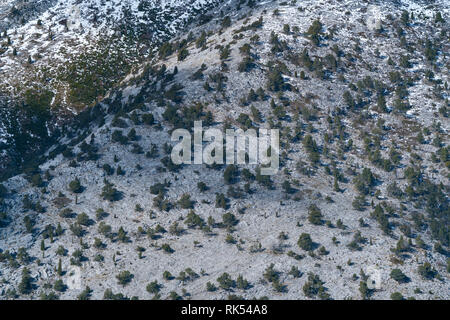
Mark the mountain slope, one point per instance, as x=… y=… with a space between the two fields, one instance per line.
x=63 y=56
x=360 y=201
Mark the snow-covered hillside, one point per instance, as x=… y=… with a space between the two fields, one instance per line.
x=69 y=28
x=359 y=209
x=66 y=55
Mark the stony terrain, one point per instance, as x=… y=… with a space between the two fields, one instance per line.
x=358 y=210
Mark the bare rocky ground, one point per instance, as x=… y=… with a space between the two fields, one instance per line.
x=347 y=253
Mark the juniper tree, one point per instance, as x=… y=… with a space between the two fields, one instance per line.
x=85 y=294
x=314 y=287
x=364 y=290
x=59 y=270
x=438 y=18
x=25 y=285
x=42 y=247
x=109 y=192
x=314 y=32
x=305 y=242
x=153 y=287
x=210 y=287
x=314 y=215
x=59 y=286
x=294 y=272
x=426 y=271
x=225 y=281
x=397 y=296
x=124 y=277
x=122 y=235
x=398 y=276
